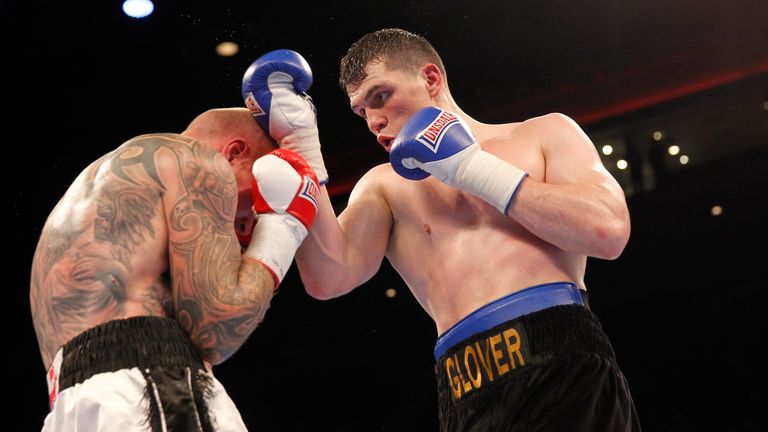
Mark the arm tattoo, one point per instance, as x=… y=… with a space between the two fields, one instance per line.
x=216 y=307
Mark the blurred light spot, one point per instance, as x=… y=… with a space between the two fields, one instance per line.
x=607 y=149
x=227 y=49
x=390 y=292
x=673 y=150
x=138 y=8
x=683 y=159
x=658 y=135
x=716 y=210
x=621 y=164
x=765 y=105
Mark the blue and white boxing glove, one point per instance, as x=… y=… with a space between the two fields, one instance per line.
x=438 y=142
x=274 y=91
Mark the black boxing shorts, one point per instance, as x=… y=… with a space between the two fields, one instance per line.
x=537 y=359
x=136 y=374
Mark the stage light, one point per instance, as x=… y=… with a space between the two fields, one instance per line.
x=138 y=8
x=227 y=49
x=607 y=149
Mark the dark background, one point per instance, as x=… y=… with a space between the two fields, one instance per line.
x=684 y=304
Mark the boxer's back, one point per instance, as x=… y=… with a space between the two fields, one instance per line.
x=103 y=252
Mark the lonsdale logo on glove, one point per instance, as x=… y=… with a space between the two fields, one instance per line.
x=253 y=106
x=310 y=191
x=434 y=132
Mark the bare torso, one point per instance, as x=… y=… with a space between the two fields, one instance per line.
x=103 y=252
x=457 y=253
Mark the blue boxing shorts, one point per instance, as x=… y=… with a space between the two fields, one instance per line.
x=537 y=359
x=136 y=374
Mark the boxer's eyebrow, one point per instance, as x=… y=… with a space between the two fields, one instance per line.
x=368 y=94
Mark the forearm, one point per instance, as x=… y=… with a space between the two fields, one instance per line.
x=220 y=319
x=580 y=210
x=323 y=259
x=580 y=218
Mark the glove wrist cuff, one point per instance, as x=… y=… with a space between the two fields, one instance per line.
x=306 y=142
x=274 y=242
x=490 y=178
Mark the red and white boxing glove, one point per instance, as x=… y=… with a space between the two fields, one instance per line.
x=285 y=193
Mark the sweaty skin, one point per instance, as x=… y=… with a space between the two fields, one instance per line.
x=454 y=251
x=147 y=230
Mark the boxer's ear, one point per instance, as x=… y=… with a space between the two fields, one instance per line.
x=433 y=78
x=233 y=149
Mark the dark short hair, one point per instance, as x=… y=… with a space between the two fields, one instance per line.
x=397 y=48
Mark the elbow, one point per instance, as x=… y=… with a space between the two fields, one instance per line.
x=214 y=356
x=317 y=293
x=613 y=240
x=613 y=252
x=318 y=290
x=324 y=284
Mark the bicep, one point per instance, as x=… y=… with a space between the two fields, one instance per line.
x=204 y=255
x=571 y=157
x=200 y=204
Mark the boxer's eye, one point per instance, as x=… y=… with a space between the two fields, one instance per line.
x=379 y=98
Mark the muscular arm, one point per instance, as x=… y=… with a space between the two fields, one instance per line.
x=219 y=299
x=341 y=254
x=578 y=206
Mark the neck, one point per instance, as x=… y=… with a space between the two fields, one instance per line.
x=445 y=101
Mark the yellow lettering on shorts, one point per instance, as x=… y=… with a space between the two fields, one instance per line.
x=466 y=385
x=485 y=358
x=501 y=367
x=477 y=377
x=513 y=348
x=453 y=381
x=504 y=350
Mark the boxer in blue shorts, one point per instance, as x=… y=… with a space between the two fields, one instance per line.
x=138 y=283
x=471 y=215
